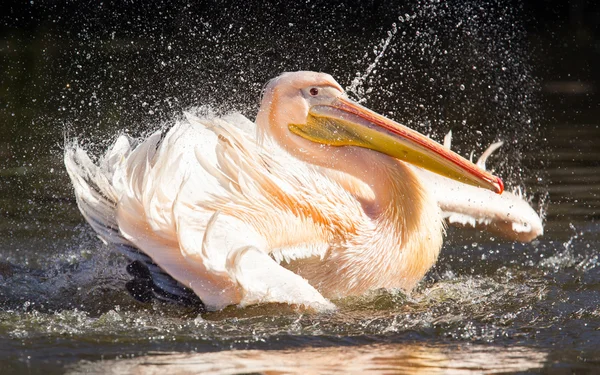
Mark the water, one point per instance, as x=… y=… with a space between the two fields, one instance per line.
x=487 y=306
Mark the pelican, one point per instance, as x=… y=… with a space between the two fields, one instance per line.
x=320 y=199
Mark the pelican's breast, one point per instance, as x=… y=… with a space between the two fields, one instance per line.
x=393 y=250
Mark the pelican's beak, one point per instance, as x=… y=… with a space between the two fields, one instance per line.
x=346 y=123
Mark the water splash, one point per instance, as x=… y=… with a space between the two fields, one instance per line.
x=83 y=279
x=565 y=258
x=356 y=86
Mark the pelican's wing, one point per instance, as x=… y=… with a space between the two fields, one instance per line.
x=293 y=205
x=195 y=201
x=97 y=189
x=508 y=215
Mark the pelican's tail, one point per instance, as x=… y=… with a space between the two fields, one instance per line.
x=96 y=196
x=97 y=190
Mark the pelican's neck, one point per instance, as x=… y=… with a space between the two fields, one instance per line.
x=383 y=175
x=382 y=184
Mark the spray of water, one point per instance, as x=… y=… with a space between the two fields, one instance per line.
x=356 y=86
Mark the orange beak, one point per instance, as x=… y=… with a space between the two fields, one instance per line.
x=346 y=123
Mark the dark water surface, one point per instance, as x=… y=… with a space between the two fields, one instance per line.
x=488 y=305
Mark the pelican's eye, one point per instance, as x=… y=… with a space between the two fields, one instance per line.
x=314 y=91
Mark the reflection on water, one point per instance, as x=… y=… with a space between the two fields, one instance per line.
x=372 y=359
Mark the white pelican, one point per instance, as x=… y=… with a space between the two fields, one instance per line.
x=316 y=201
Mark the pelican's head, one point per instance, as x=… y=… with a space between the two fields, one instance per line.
x=304 y=111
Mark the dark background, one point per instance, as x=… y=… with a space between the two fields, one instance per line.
x=118 y=55
x=190 y=51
